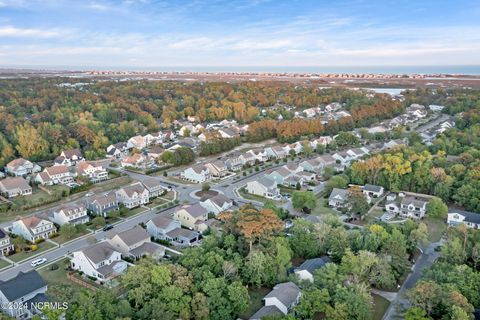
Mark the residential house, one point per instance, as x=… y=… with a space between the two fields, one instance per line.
x=118 y=150
x=217 y=168
x=343 y=157
x=21 y=167
x=247 y=159
x=183 y=236
x=233 y=162
x=277 y=152
x=101 y=261
x=311 y=165
x=197 y=174
x=133 y=195
x=307 y=269
x=160 y=226
x=229 y=133
x=260 y=155
x=6 y=246
x=59 y=174
x=435 y=107
x=216 y=204
x=102 y=204
x=153 y=186
x=136 y=160
x=321 y=141
x=69 y=158
x=15 y=186
x=297 y=147
x=280 y=301
x=373 y=191
x=137 y=142
x=21 y=296
x=357 y=153
x=408 y=205
x=338 y=198
x=192 y=216
x=394 y=143
x=469 y=219
x=263 y=187
x=72 y=213
x=279 y=175
x=33 y=228
x=135 y=243
x=155 y=152
x=93 y=170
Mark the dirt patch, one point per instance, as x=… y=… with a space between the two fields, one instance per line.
x=209 y=193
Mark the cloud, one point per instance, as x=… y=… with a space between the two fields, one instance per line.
x=14 y=32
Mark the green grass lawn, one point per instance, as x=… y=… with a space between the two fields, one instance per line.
x=169 y=195
x=249 y=196
x=380 y=305
x=111 y=184
x=157 y=202
x=256 y=296
x=3 y=264
x=436 y=228
x=62 y=239
x=27 y=254
x=376 y=213
x=323 y=208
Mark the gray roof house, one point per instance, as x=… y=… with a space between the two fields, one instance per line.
x=306 y=270
x=103 y=204
x=338 y=197
x=280 y=300
x=17 y=293
x=135 y=243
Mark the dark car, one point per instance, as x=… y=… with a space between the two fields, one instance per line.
x=107 y=227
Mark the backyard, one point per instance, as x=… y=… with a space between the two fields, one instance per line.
x=322 y=208
x=256 y=296
x=436 y=228
x=380 y=306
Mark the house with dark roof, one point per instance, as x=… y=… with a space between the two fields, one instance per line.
x=117 y=150
x=19 y=295
x=373 y=191
x=6 y=245
x=457 y=217
x=217 y=168
x=216 y=204
x=15 y=186
x=408 y=205
x=192 y=216
x=183 y=236
x=135 y=243
x=101 y=261
x=306 y=270
x=102 y=204
x=279 y=301
x=69 y=158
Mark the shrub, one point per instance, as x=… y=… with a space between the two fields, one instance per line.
x=54 y=266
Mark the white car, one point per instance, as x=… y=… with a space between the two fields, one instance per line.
x=38 y=262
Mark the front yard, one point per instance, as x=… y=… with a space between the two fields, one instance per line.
x=253 y=197
x=19 y=256
x=3 y=264
x=323 y=208
x=436 y=228
x=62 y=238
x=256 y=301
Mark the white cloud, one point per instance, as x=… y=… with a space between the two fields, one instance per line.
x=14 y=32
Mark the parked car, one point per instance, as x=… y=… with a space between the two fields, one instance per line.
x=107 y=227
x=38 y=262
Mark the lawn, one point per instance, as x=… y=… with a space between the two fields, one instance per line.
x=376 y=213
x=436 y=228
x=133 y=212
x=256 y=296
x=157 y=202
x=249 y=196
x=322 y=208
x=28 y=254
x=62 y=239
x=380 y=306
x=111 y=184
x=3 y=264
x=169 y=195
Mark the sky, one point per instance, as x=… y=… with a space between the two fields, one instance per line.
x=146 y=33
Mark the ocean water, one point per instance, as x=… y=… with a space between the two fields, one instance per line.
x=430 y=70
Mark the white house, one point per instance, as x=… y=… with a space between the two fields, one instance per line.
x=101 y=261
x=307 y=269
x=103 y=204
x=153 y=186
x=470 y=219
x=15 y=186
x=135 y=243
x=217 y=168
x=72 y=213
x=160 y=226
x=260 y=155
x=338 y=198
x=216 y=204
x=21 y=167
x=33 y=228
x=279 y=301
x=93 y=170
x=373 y=191
x=21 y=295
x=137 y=142
x=133 y=195
x=408 y=206
x=6 y=245
x=196 y=174
x=263 y=187
x=69 y=158
x=117 y=150
x=59 y=174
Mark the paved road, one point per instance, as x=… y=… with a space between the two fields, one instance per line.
x=84 y=242
x=425 y=260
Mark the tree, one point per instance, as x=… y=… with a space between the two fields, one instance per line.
x=357 y=202
x=30 y=143
x=415 y=313
x=205 y=187
x=335 y=182
x=436 y=208
x=68 y=230
x=303 y=240
x=312 y=301
x=419 y=236
x=98 y=222
x=425 y=295
x=304 y=199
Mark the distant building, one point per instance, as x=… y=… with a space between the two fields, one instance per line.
x=135 y=243
x=69 y=158
x=338 y=198
x=21 y=167
x=307 y=269
x=6 y=245
x=216 y=204
x=13 y=187
x=280 y=301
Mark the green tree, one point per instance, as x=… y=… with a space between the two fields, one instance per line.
x=415 y=313
x=436 y=208
x=312 y=301
x=304 y=199
x=68 y=230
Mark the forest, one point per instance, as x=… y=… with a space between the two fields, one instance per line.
x=39 y=117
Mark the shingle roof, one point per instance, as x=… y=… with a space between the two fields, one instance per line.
x=286 y=292
x=72 y=152
x=14 y=183
x=266 y=311
x=372 y=188
x=56 y=170
x=99 y=252
x=23 y=284
x=195 y=210
x=17 y=163
x=162 y=222
x=151 y=183
x=104 y=199
x=135 y=187
x=180 y=232
x=469 y=216
x=336 y=192
x=313 y=264
x=3 y=234
x=131 y=236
